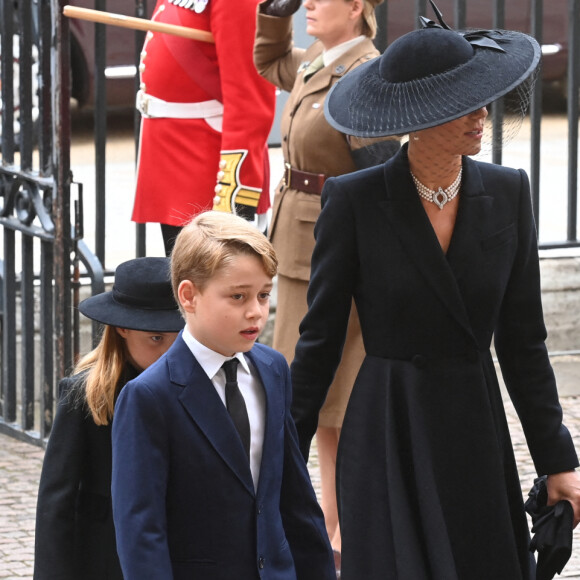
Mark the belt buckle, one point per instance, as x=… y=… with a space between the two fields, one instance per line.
x=143 y=104
x=287 y=174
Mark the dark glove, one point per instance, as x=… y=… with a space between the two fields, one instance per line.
x=552 y=529
x=280 y=8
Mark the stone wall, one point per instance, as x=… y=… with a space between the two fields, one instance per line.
x=561 y=300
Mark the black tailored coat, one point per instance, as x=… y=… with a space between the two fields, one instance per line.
x=426 y=475
x=75 y=535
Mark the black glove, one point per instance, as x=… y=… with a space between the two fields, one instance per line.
x=552 y=530
x=280 y=8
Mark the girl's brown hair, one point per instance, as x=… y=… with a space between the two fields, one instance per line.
x=104 y=366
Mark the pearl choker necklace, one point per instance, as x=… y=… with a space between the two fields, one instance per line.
x=441 y=196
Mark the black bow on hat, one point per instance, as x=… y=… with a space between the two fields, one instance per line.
x=552 y=529
x=483 y=38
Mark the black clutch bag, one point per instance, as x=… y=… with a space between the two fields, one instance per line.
x=552 y=529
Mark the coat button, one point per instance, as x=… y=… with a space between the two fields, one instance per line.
x=419 y=361
x=261 y=562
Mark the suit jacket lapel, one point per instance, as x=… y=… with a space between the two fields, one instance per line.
x=275 y=409
x=410 y=222
x=201 y=401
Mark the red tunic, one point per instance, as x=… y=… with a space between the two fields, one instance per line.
x=179 y=158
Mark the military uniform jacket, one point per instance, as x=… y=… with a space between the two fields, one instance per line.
x=179 y=158
x=309 y=143
x=426 y=474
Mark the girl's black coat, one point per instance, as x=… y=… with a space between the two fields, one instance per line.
x=75 y=536
x=427 y=481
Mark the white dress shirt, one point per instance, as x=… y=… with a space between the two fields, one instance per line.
x=250 y=386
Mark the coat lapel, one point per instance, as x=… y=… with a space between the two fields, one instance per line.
x=409 y=221
x=201 y=401
x=474 y=220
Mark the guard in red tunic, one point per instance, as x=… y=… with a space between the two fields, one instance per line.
x=206 y=117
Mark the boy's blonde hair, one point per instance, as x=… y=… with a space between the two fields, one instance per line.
x=210 y=241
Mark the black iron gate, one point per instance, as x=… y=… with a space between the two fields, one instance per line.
x=35 y=214
x=41 y=245
x=43 y=256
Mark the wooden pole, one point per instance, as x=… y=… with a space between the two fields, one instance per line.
x=136 y=23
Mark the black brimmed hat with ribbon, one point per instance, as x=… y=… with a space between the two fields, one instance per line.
x=141 y=298
x=429 y=77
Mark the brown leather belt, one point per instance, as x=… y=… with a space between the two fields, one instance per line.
x=303 y=180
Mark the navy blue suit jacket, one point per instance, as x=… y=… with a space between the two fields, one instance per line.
x=184 y=502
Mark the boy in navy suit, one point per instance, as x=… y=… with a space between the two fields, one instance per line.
x=208 y=479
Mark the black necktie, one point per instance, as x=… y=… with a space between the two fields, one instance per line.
x=235 y=403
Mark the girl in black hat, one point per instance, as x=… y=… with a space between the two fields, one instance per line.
x=75 y=538
x=439 y=252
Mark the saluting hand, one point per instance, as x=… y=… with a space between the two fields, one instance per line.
x=280 y=8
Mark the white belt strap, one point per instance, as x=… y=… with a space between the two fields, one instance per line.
x=152 y=107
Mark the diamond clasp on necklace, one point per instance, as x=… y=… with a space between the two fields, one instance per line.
x=440 y=198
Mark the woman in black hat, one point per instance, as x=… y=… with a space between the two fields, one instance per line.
x=75 y=537
x=439 y=252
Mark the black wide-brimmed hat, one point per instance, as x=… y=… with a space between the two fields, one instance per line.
x=429 y=77
x=141 y=298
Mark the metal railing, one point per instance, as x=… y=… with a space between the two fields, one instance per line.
x=41 y=244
